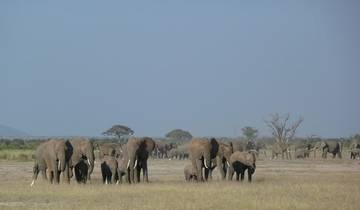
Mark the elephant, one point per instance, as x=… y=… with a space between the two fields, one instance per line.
x=109 y=169
x=238 y=146
x=113 y=149
x=302 y=153
x=122 y=168
x=223 y=157
x=82 y=159
x=281 y=148
x=137 y=154
x=201 y=152
x=334 y=147
x=162 y=149
x=190 y=173
x=53 y=156
x=241 y=161
x=354 y=150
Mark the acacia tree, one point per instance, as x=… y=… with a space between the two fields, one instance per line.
x=283 y=131
x=179 y=134
x=250 y=133
x=119 y=131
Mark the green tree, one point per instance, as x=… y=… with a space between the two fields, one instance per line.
x=119 y=131
x=249 y=132
x=179 y=134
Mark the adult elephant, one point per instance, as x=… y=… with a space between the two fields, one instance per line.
x=333 y=147
x=51 y=155
x=112 y=149
x=162 y=149
x=354 y=150
x=137 y=154
x=82 y=159
x=281 y=148
x=201 y=152
x=241 y=161
x=223 y=157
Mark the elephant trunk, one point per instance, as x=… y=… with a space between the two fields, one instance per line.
x=91 y=162
x=61 y=162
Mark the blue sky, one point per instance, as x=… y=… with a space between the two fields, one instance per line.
x=210 y=67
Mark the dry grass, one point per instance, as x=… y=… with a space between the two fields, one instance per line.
x=297 y=184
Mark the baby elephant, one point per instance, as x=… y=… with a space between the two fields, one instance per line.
x=241 y=161
x=190 y=173
x=109 y=168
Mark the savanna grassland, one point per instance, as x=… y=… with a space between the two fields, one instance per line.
x=277 y=184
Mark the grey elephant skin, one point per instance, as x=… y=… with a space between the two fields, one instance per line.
x=109 y=169
x=333 y=147
x=82 y=159
x=201 y=152
x=52 y=156
x=112 y=149
x=190 y=173
x=240 y=162
x=355 y=150
x=137 y=154
x=223 y=157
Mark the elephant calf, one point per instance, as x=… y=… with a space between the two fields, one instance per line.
x=109 y=168
x=241 y=161
x=190 y=173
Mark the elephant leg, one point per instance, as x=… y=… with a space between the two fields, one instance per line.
x=249 y=175
x=231 y=172
x=103 y=174
x=145 y=172
x=43 y=174
x=207 y=172
x=35 y=174
x=138 y=172
x=66 y=176
x=198 y=166
x=113 y=176
x=242 y=175
x=220 y=165
x=237 y=176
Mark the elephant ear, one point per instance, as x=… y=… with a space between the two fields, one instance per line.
x=149 y=143
x=214 y=147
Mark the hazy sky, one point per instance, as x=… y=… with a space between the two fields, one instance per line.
x=210 y=67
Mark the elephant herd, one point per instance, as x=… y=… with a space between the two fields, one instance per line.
x=205 y=155
x=75 y=158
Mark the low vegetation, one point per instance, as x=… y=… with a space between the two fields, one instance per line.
x=296 y=184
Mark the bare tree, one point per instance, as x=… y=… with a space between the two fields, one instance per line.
x=283 y=131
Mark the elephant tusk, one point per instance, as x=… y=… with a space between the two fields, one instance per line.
x=106 y=182
x=32 y=183
x=88 y=162
x=128 y=164
x=205 y=163
x=135 y=164
x=228 y=163
x=117 y=182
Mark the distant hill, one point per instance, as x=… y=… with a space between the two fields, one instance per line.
x=6 y=131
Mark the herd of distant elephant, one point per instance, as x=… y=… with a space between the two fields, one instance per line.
x=76 y=158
